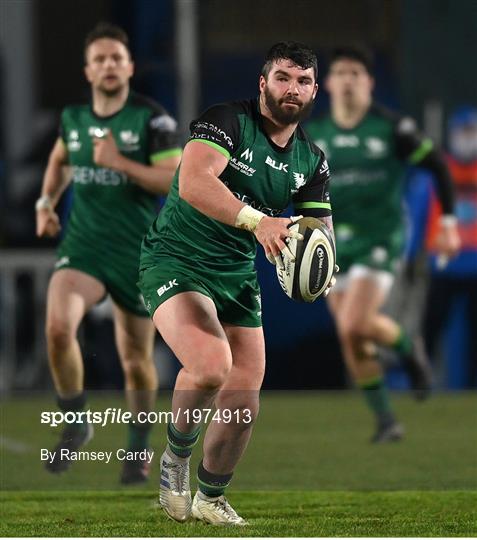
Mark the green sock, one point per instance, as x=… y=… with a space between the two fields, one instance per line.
x=138 y=437
x=181 y=444
x=403 y=343
x=377 y=398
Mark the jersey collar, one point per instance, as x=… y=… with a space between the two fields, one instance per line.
x=109 y=116
x=371 y=108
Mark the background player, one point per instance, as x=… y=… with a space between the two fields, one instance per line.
x=123 y=150
x=457 y=281
x=245 y=161
x=368 y=148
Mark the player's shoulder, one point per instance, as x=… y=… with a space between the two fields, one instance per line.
x=75 y=110
x=401 y=123
x=141 y=101
x=158 y=117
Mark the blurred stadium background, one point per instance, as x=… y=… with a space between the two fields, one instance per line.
x=190 y=54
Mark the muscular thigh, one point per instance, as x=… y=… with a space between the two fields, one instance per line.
x=189 y=324
x=71 y=293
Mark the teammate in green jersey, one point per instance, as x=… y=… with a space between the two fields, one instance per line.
x=244 y=163
x=123 y=150
x=368 y=148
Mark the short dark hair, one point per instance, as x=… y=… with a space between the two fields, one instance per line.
x=109 y=31
x=356 y=52
x=299 y=53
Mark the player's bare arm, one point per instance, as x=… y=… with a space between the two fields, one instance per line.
x=200 y=186
x=54 y=183
x=155 y=178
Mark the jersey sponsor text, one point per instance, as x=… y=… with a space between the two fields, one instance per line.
x=101 y=176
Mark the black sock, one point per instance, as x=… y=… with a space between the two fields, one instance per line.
x=74 y=404
x=212 y=485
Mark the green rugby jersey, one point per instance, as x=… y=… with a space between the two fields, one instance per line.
x=111 y=213
x=368 y=164
x=259 y=173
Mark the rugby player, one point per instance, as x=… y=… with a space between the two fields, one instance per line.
x=244 y=163
x=368 y=148
x=123 y=150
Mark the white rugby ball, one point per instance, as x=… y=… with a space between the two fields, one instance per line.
x=305 y=279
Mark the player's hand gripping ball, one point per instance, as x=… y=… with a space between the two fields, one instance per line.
x=310 y=274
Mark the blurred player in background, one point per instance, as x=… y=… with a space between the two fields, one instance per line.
x=244 y=163
x=458 y=279
x=368 y=148
x=123 y=150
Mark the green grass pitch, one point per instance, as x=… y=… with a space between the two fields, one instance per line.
x=309 y=471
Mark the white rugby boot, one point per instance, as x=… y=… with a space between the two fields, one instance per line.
x=215 y=510
x=174 y=488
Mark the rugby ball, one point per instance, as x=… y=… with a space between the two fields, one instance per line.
x=306 y=278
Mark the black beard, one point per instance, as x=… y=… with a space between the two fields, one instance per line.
x=284 y=117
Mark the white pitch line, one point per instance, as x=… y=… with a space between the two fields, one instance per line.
x=17 y=447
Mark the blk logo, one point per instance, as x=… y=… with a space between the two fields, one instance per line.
x=167 y=286
x=280 y=166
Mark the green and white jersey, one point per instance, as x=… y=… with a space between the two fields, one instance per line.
x=368 y=164
x=259 y=173
x=110 y=213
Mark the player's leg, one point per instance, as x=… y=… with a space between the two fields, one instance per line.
x=385 y=331
x=226 y=441
x=189 y=324
x=412 y=353
x=135 y=342
x=70 y=295
x=355 y=309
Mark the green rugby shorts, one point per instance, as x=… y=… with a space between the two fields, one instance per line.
x=236 y=295
x=119 y=277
